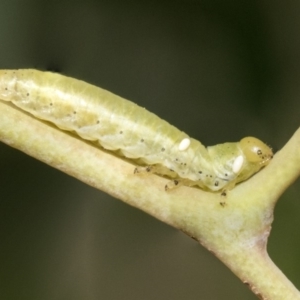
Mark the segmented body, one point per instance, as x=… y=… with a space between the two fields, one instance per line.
x=118 y=124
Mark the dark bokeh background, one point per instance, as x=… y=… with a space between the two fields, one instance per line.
x=219 y=70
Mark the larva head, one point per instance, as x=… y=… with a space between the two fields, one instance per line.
x=256 y=151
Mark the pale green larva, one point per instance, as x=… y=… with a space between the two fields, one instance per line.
x=118 y=124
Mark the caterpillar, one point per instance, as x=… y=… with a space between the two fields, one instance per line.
x=120 y=125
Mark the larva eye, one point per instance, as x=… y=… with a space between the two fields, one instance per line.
x=255 y=150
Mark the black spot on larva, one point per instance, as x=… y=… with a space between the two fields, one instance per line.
x=51 y=104
x=184 y=164
x=176 y=182
x=210 y=176
x=217 y=183
x=226 y=174
x=171 y=170
x=6 y=88
x=121 y=132
x=200 y=172
x=74 y=112
x=224 y=194
x=142 y=140
x=259 y=152
x=27 y=94
x=163 y=149
x=98 y=122
x=148 y=169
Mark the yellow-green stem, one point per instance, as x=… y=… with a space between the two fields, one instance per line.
x=235 y=227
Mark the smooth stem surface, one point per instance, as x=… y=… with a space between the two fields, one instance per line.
x=261 y=275
x=235 y=227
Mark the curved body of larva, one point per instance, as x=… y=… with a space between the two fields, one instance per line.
x=118 y=124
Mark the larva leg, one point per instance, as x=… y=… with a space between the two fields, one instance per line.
x=155 y=169
x=223 y=196
x=173 y=184
x=224 y=193
x=161 y=170
x=226 y=190
x=229 y=187
x=143 y=170
x=178 y=182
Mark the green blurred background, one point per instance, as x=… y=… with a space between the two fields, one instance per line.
x=219 y=70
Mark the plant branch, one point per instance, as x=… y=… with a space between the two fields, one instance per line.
x=235 y=227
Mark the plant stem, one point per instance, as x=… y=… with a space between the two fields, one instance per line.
x=235 y=228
